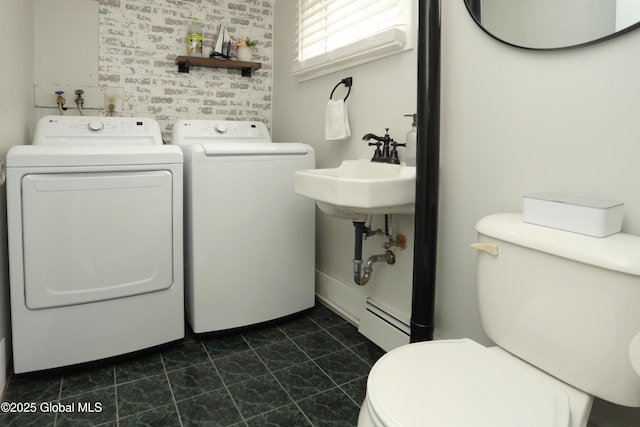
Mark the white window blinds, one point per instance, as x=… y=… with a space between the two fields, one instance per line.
x=335 y=32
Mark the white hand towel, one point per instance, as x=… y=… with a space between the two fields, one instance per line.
x=336 y=121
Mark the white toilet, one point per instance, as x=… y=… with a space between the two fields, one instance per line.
x=564 y=311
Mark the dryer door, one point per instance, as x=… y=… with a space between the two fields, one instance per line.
x=95 y=236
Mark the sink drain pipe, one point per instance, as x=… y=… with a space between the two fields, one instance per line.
x=357 y=254
x=362 y=275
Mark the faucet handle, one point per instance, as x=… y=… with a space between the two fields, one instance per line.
x=393 y=158
x=377 y=155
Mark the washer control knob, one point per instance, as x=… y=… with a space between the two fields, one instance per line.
x=95 y=126
x=220 y=128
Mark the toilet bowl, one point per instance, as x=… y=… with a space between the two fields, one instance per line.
x=562 y=310
x=462 y=383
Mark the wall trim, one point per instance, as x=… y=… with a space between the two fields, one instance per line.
x=340 y=297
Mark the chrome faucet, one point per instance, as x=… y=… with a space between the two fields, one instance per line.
x=385 y=155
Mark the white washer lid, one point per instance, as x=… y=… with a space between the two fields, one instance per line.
x=461 y=383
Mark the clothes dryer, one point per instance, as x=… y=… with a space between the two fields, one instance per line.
x=249 y=238
x=94 y=210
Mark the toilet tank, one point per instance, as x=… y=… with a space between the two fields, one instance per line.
x=566 y=303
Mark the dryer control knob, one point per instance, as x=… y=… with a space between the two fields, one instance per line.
x=221 y=128
x=95 y=126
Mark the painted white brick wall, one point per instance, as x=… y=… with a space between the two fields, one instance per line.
x=139 y=40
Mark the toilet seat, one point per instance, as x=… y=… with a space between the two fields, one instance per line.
x=462 y=383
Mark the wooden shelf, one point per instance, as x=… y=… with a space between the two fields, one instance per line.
x=184 y=62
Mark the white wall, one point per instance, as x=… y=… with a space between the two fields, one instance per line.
x=66 y=43
x=517 y=121
x=16 y=75
x=383 y=91
x=16 y=117
x=65 y=54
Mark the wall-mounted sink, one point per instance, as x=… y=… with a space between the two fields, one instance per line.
x=358 y=188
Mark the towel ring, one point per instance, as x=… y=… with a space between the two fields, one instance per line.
x=347 y=81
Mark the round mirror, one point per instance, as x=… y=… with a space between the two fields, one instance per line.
x=554 y=24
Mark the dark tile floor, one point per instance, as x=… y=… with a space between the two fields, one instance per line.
x=309 y=371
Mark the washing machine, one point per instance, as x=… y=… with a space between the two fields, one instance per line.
x=94 y=211
x=249 y=238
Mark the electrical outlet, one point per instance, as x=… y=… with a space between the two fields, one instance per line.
x=110 y=103
x=113 y=97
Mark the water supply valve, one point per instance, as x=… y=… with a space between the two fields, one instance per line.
x=61 y=101
x=79 y=100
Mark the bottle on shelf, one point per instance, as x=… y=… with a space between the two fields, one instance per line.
x=194 y=38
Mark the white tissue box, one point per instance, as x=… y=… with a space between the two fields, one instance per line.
x=584 y=215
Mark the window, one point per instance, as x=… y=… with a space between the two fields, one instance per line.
x=335 y=34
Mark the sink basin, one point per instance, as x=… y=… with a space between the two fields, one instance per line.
x=358 y=188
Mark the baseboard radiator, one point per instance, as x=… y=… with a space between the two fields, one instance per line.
x=383 y=328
